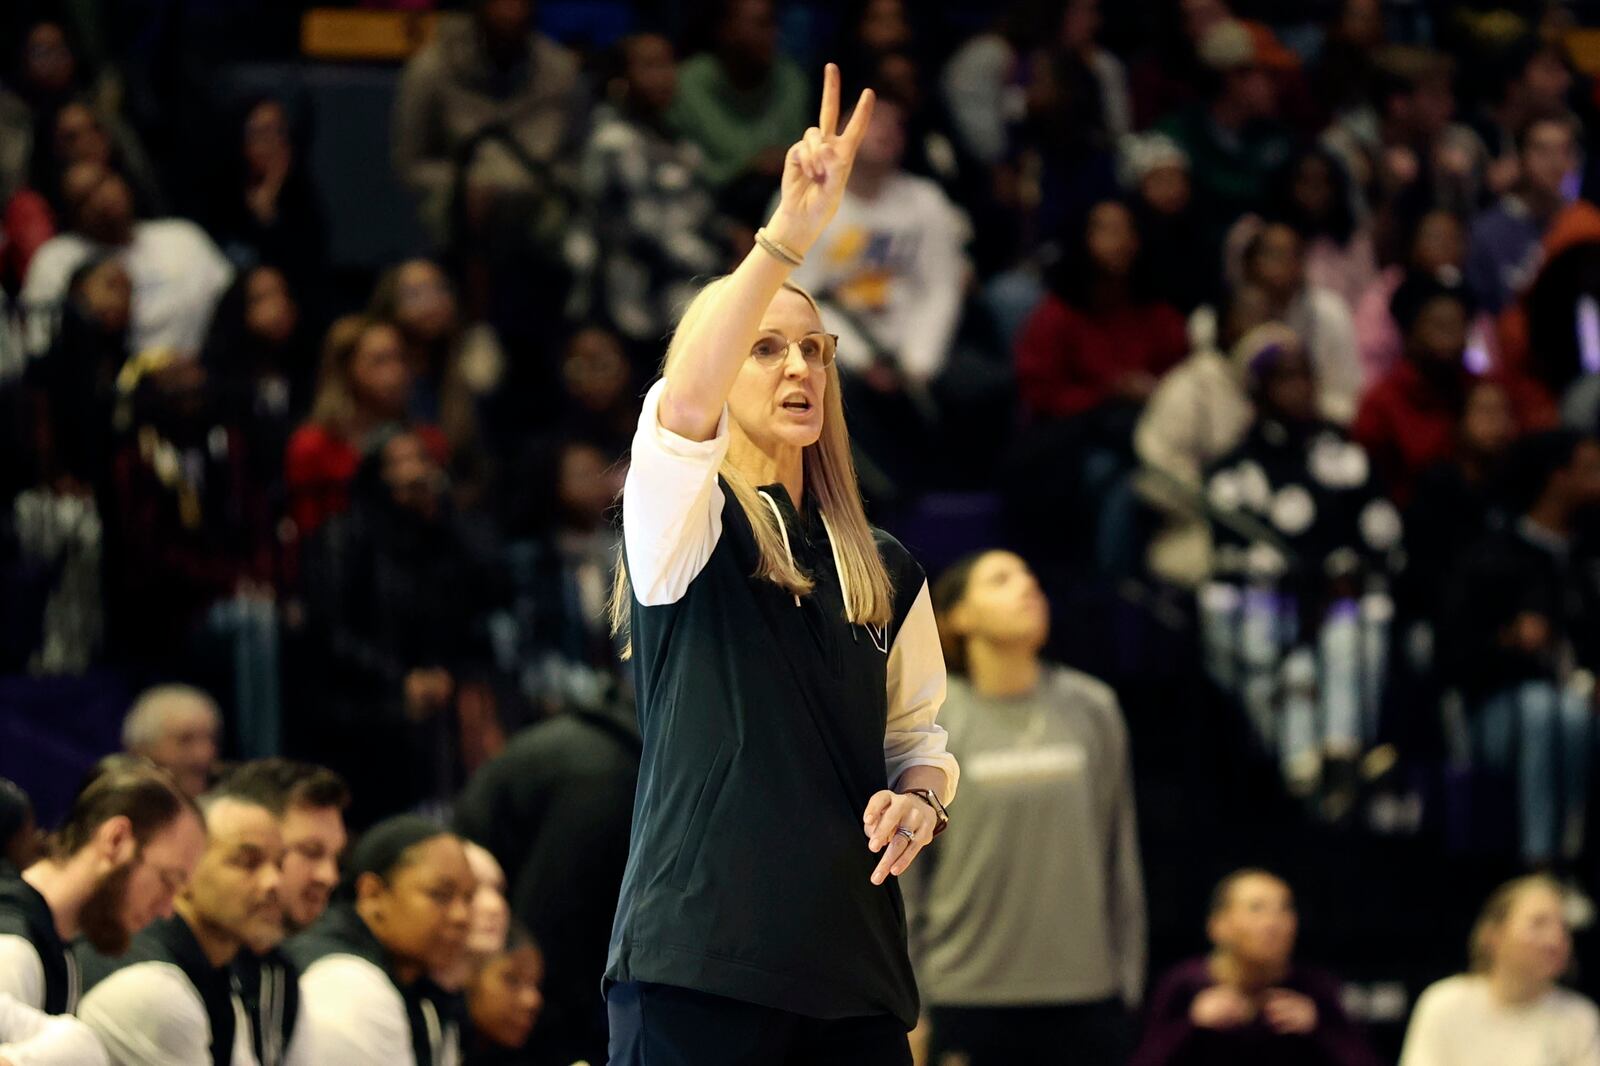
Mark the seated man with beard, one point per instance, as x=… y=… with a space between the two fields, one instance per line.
x=126 y=849
x=173 y=999
x=309 y=801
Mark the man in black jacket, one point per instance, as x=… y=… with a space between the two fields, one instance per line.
x=555 y=809
x=1520 y=637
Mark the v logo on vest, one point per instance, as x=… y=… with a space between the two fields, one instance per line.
x=879 y=635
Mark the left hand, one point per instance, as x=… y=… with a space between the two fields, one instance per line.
x=886 y=814
x=1289 y=1013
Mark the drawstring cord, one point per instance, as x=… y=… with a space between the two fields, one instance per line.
x=783 y=529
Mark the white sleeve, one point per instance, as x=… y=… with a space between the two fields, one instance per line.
x=30 y=1037
x=916 y=691
x=1337 y=358
x=1423 y=1046
x=21 y=970
x=149 y=1014
x=671 y=505
x=354 y=1015
x=299 y=1050
x=933 y=314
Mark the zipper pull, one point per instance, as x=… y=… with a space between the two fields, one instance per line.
x=797 y=599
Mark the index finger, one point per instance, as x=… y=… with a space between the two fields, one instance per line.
x=828 y=121
x=859 y=121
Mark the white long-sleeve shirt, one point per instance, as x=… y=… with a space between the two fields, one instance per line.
x=1458 y=1022
x=30 y=1037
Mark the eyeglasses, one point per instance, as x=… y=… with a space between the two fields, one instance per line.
x=817 y=349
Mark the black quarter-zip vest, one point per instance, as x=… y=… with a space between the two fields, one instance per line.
x=170 y=940
x=269 y=987
x=763 y=723
x=24 y=913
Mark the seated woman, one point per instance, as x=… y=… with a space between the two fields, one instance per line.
x=402 y=911
x=1249 y=1003
x=504 y=999
x=1509 y=1008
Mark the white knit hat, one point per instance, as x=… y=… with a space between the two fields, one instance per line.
x=1139 y=154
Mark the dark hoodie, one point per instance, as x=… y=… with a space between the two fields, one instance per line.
x=390 y=591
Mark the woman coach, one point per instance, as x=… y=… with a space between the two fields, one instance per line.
x=788 y=672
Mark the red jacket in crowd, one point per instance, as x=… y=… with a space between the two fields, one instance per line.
x=319 y=465
x=1070 y=361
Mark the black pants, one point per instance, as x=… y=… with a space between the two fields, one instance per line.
x=661 y=1025
x=1074 y=1034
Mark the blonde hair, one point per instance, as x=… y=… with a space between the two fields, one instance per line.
x=334 y=406
x=1498 y=910
x=830 y=477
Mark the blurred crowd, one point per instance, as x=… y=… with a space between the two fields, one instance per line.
x=1273 y=328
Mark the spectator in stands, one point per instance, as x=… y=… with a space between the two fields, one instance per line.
x=1199 y=413
x=1056 y=959
x=260 y=361
x=1098 y=339
x=78 y=135
x=177 y=271
x=487 y=104
x=1518 y=637
x=402 y=911
x=1077 y=108
x=172 y=998
x=364 y=384
x=1506 y=240
x=1233 y=143
x=398 y=593
x=1310 y=485
x=891 y=265
x=599 y=401
x=1528 y=78
x=560 y=546
x=1155 y=174
x=1249 y=1003
x=20 y=843
x=126 y=849
x=455 y=368
x=45 y=69
x=1273 y=257
x=1435 y=247
x=30 y=1037
x=264 y=207
x=1346 y=75
x=504 y=1001
x=1314 y=196
x=77 y=377
x=555 y=808
x=1456 y=499
x=1509 y=1006
x=657 y=222
x=178 y=728
x=743 y=103
x=192 y=522
x=1407 y=421
x=1406 y=149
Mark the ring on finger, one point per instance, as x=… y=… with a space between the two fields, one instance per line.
x=907 y=832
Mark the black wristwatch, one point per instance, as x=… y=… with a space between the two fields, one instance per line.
x=941 y=817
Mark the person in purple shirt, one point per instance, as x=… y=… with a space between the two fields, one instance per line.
x=1248 y=1003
